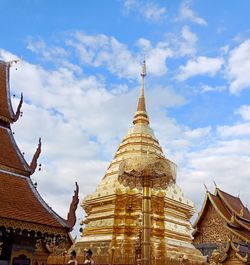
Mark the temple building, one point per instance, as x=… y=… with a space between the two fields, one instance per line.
x=138 y=210
x=29 y=229
x=222 y=229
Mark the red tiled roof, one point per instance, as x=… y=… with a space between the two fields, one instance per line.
x=20 y=201
x=10 y=155
x=5 y=104
x=235 y=204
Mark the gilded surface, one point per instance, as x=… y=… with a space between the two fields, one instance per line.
x=212 y=229
x=215 y=258
x=115 y=211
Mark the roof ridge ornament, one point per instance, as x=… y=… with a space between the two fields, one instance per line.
x=33 y=163
x=71 y=218
x=18 y=111
x=215 y=184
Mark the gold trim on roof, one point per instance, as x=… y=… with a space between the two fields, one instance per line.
x=14 y=170
x=247 y=240
x=219 y=212
x=16 y=224
x=242 y=224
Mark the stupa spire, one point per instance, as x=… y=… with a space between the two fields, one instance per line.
x=141 y=115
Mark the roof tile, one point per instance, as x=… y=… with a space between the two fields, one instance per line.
x=20 y=202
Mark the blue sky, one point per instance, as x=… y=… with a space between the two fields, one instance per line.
x=80 y=77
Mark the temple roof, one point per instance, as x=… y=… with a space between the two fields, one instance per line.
x=11 y=159
x=220 y=207
x=231 y=209
x=234 y=204
x=21 y=201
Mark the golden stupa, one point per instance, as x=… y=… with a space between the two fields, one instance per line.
x=138 y=209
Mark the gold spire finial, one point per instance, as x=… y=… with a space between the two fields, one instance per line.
x=141 y=113
x=143 y=70
x=143 y=74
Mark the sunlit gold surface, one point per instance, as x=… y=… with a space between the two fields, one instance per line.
x=146 y=213
x=138 y=184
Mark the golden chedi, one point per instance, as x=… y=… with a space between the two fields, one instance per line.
x=137 y=203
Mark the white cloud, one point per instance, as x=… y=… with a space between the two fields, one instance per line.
x=188 y=42
x=238 y=67
x=244 y=111
x=200 y=66
x=40 y=46
x=224 y=161
x=156 y=59
x=149 y=10
x=182 y=44
x=237 y=130
x=207 y=88
x=102 y=50
x=153 y=12
x=197 y=133
x=187 y=14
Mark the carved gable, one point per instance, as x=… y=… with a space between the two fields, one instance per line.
x=211 y=228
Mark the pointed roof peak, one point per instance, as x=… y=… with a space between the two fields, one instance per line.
x=141 y=115
x=7 y=114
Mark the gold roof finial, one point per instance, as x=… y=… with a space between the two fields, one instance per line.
x=205 y=186
x=143 y=70
x=141 y=115
x=143 y=74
